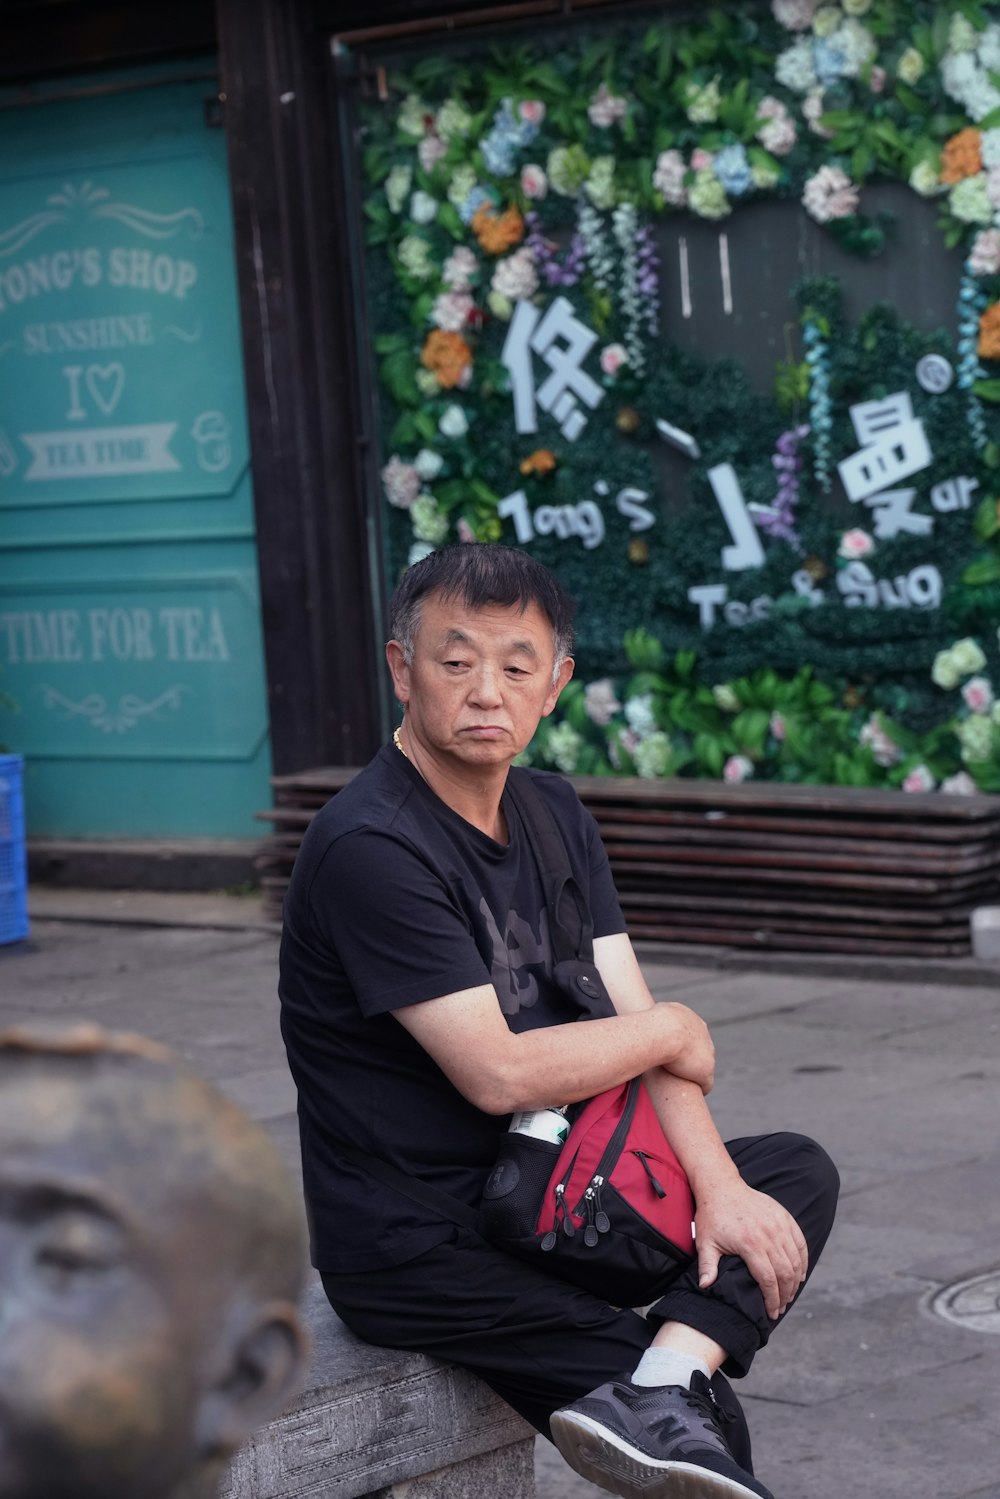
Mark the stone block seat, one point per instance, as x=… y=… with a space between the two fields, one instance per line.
x=384 y=1424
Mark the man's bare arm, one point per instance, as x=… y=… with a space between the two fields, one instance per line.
x=500 y=1071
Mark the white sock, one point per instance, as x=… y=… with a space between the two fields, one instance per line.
x=662 y=1366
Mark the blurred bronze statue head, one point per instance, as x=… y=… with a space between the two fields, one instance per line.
x=151 y=1259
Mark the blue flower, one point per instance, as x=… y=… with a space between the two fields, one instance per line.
x=829 y=62
x=733 y=170
x=476 y=199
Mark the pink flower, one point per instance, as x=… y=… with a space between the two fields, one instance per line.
x=451 y=311
x=919 y=779
x=984 y=259
x=532 y=111
x=668 y=178
x=737 y=768
x=961 y=784
x=855 y=544
x=606 y=108
x=701 y=160
x=600 y=702
x=465 y=531
x=401 y=483
x=778 y=136
x=778 y=727
x=795 y=15
x=430 y=151
x=885 y=751
x=459 y=269
x=876 y=79
x=978 y=695
x=830 y=194
x=613 y=356
x=534 y=183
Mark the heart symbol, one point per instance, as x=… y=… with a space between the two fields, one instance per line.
x=106 y=383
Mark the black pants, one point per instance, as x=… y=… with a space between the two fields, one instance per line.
x=541 y=1343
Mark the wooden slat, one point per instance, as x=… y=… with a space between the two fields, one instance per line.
x=781 y=867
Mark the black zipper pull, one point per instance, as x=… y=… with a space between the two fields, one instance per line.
x=656 y=1185
x=568 y=1226
x=601 y=1220
x=590 y=1235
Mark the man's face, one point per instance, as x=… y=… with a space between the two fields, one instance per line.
x=479 y=681
x=97 y=1378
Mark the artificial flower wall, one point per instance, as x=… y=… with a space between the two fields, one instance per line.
x=779 y=598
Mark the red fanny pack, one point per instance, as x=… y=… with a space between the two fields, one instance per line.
x=610 y=1209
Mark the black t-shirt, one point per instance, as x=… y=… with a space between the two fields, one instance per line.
x=395 y=899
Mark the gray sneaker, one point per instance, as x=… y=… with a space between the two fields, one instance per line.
x=660 y=1443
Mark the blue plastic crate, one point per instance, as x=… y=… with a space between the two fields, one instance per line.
x=13 y=870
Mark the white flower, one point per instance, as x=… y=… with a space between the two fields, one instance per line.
x=794 y=15
x=911 y=66
x=606 y=108
x=451 y=311
x=401 y=482
x=703 y=102
x=397 y=186
x=639 y=714
x=924 y=179
x=564 y=745
x=960 y=784
x=778 y=727
x=613 y=356
x=857 y=7
x=429 y=523
x=826 y=20
x=500 y=306
x=516 y=278
x=944 y=672
x=794 y=68
x=600 y=702
x=989 y=146
x=989 y=48
x=668 y=177
x=737 y=768
x=452 y=119
x=428 y=383
x=962 y=35
x=454 y=422
x=967 y=656
x=856 y=46
x=652 y=756
x=777 y=134
x=725 y=698
x=423 y=208
x=412 y=117
x=534 y=183
x=428 y=464
x=854 y=544
x=813 y=109
x=418 y=551
x=919 y=779
x=885 y=750
x=978 y=694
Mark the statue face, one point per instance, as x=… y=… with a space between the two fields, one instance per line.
x=99 y=1361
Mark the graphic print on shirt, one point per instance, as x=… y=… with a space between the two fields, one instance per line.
x=513 y=951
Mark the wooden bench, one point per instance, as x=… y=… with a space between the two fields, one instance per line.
x=765 y=865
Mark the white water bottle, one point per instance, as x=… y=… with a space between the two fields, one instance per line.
x=542 y=1124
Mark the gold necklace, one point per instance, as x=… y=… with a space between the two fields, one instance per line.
x=399 y=744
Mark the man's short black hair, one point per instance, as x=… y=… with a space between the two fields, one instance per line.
x=481 y=573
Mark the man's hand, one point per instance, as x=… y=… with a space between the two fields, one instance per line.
x=736 y=1219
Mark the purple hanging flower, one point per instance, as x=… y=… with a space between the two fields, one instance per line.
x=778 y=520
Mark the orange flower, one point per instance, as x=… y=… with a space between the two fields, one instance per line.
x=962 y=156
x=541 y=461
x=447 y=356
x=989 y=332
x=495 y=232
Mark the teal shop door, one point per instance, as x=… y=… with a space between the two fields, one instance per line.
x=130 y=631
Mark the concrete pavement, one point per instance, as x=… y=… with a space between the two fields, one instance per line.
x=866 y=1389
